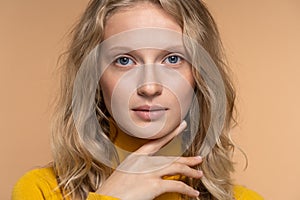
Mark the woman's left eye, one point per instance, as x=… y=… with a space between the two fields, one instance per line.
x=173 y=59
x=124 y=61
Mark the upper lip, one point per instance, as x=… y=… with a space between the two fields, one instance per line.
x=149 y=108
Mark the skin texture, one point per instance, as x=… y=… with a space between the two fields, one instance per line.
x=148 y=185
x=149 y=93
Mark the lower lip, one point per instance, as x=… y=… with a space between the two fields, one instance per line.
x=150 y=115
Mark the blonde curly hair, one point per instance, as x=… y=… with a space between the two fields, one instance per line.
x=77 y=170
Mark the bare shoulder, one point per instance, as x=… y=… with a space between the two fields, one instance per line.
x=243 y=193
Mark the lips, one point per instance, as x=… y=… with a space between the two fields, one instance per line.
x=150 y=112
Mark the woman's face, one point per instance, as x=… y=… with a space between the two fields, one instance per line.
x=148 y=90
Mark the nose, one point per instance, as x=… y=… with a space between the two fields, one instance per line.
x=149 y=81
x=150 y=89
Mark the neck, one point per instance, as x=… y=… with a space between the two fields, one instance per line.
x=123 y=140
x=130 y=144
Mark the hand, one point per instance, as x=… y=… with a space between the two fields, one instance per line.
x=147 y=184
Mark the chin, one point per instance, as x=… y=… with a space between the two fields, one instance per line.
x=168 y=129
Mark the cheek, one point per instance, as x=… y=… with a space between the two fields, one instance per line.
x=188 y=74
x=186 y=98
x=107 y=87
x=186 y=94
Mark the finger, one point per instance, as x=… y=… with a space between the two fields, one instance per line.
x=190 y=161
x=155 y=145
x=179 y=187
x=180 y=169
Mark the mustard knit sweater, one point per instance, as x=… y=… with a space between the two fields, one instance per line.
x=41 y=183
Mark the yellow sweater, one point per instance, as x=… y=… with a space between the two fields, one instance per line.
x=41 y=183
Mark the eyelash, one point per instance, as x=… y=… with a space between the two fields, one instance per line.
x=117 y=61
x=179 y=59
x=132 y=62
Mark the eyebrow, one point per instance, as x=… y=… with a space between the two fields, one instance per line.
x=120 y=48
x=179 y=48
x=116 y=49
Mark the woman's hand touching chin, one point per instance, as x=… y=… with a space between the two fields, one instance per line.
x=140 y=175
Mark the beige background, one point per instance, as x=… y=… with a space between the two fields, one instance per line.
x=263 y=45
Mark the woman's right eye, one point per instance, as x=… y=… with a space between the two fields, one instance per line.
x=124 y=61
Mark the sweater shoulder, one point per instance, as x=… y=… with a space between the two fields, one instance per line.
x=243 y=193
x=36 y=184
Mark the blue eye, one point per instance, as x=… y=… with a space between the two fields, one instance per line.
x=172 y=59
x=124 y=61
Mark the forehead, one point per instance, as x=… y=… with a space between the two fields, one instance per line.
x=141 y=15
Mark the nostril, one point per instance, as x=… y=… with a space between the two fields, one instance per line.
x=150 y=90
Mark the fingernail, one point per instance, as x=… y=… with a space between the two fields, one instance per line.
x=199 y=157
x=197 y=193
x=200 y=172
x=183 y=124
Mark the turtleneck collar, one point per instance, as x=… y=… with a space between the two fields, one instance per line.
x=128 y=143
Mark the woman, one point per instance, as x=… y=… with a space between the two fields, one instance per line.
x=145 y=93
